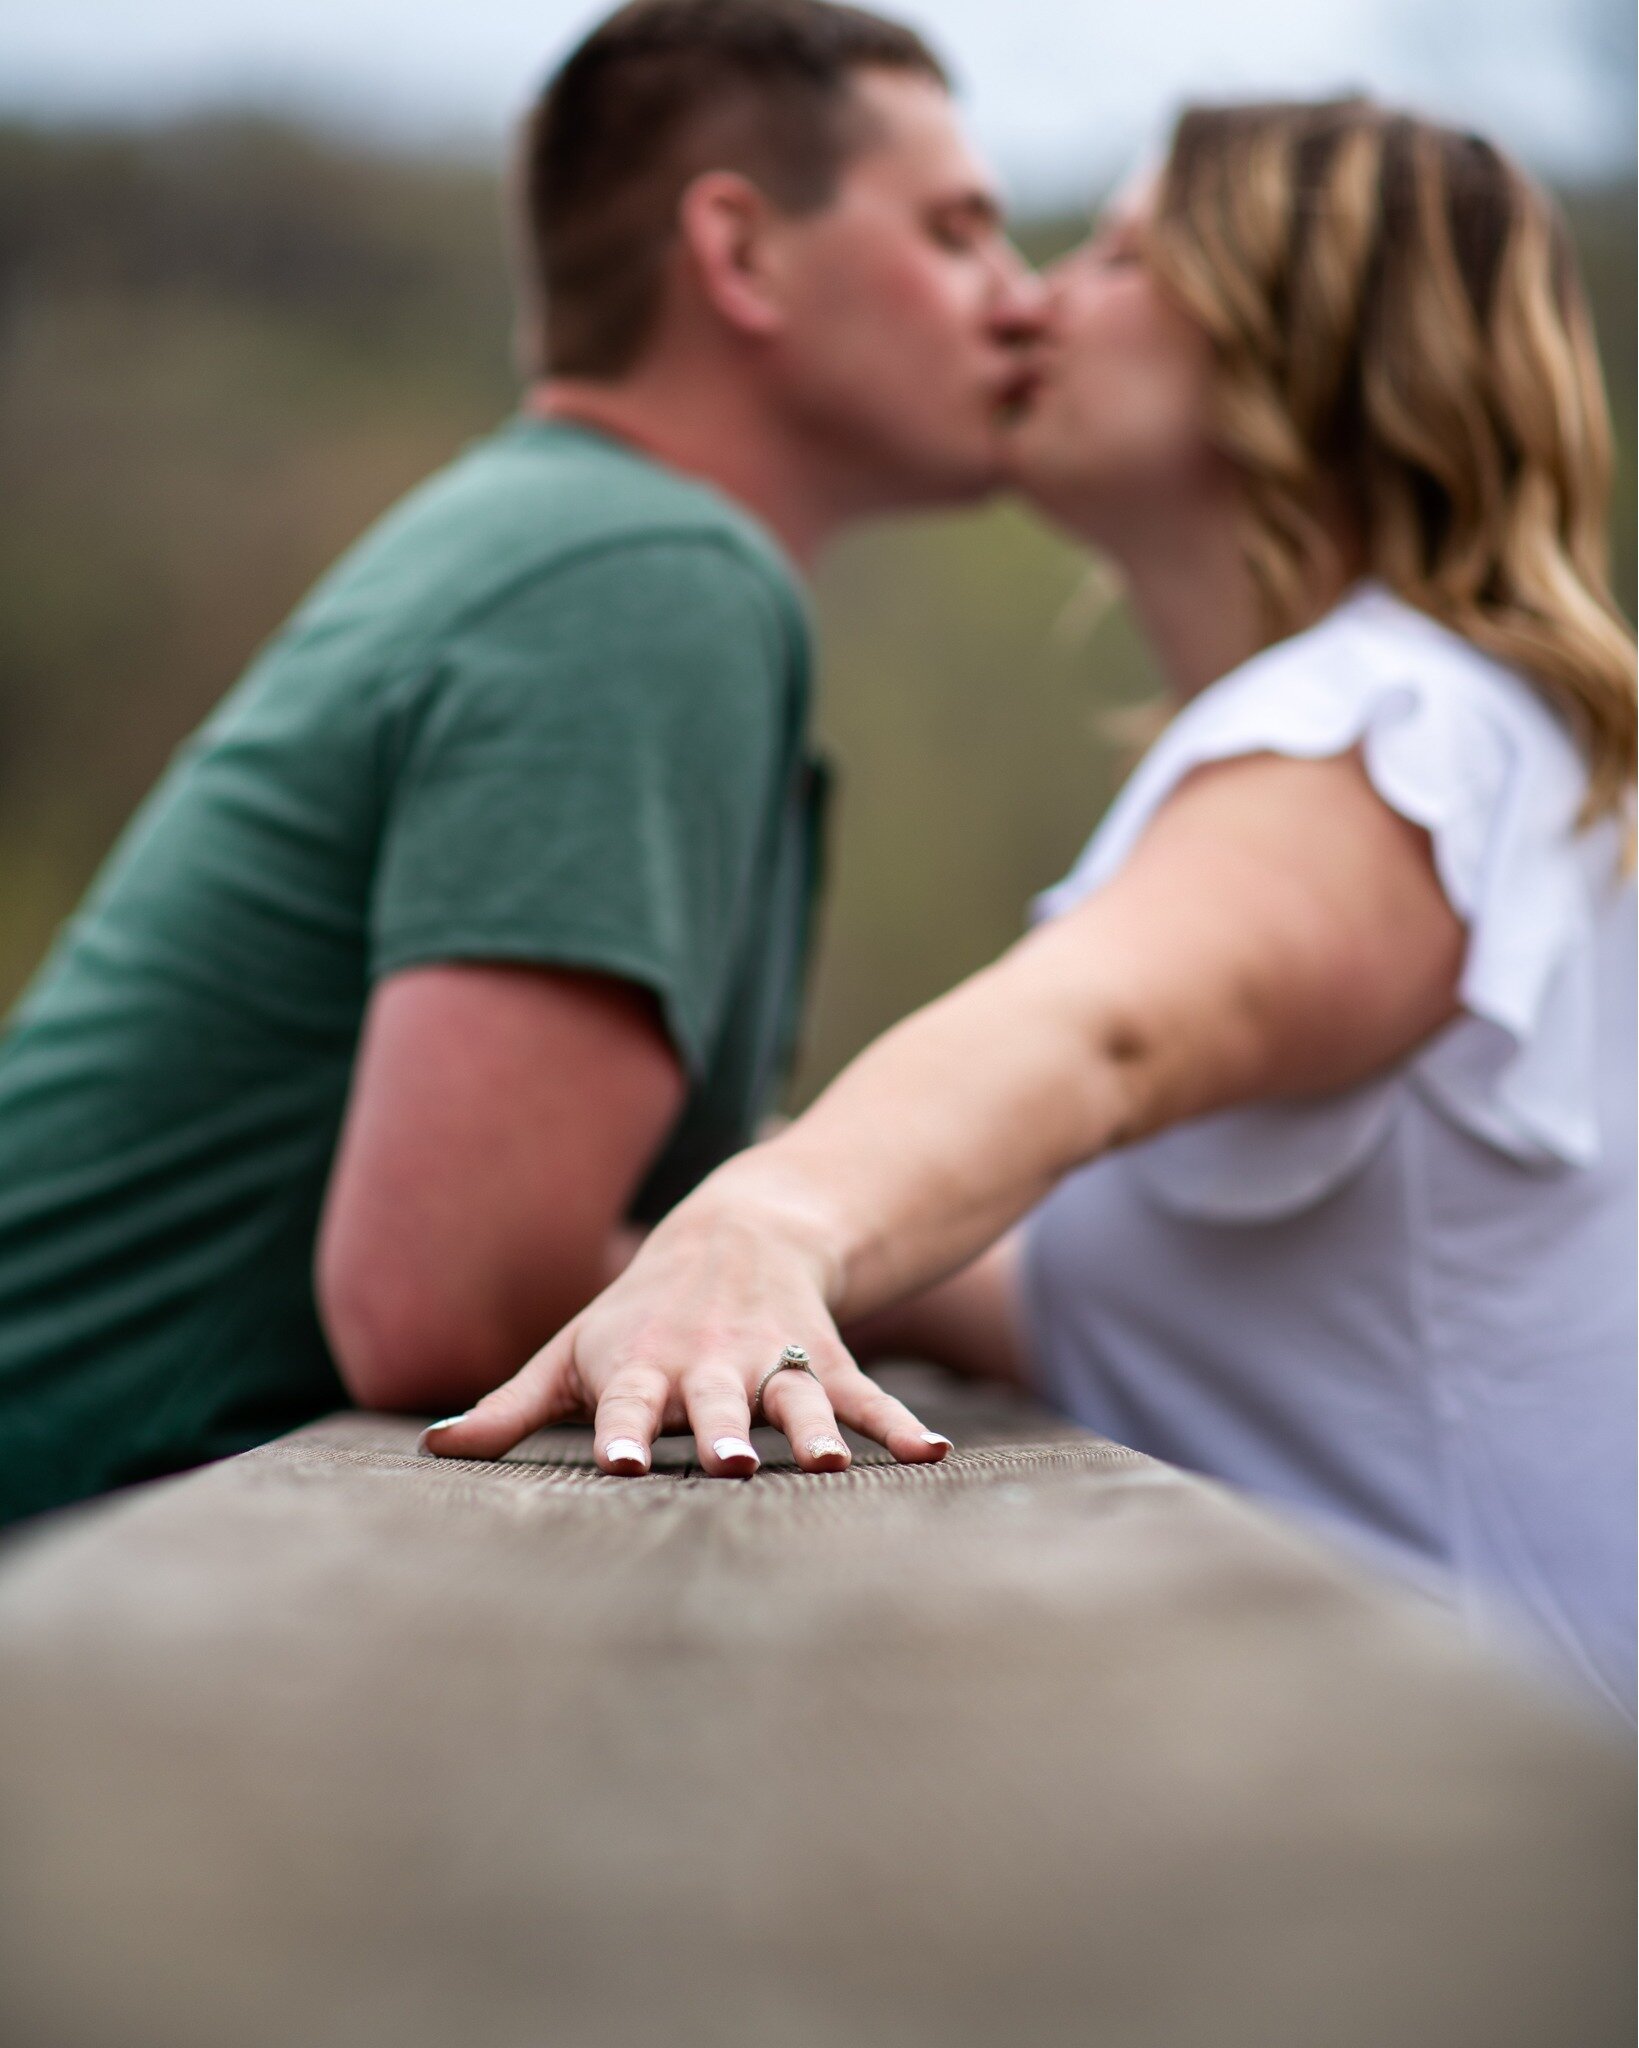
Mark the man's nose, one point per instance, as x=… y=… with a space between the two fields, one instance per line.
x=1022 y=303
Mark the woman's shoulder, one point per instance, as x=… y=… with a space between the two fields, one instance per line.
x=1373 y=646
x=1450 y=735
x=1463 y=746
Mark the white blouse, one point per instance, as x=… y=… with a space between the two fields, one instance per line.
x=1407 y=1309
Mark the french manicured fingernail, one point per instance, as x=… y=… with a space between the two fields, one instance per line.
x=932 y=1436
x=626 y=1450
x=826 y=1447
x=727 y=1447
x=433 y=1428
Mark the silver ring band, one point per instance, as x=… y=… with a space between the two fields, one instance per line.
x=792 y=1359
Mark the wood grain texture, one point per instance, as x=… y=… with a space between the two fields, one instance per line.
x=334 y=1746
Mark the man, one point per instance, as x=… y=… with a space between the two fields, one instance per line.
x=467 y=932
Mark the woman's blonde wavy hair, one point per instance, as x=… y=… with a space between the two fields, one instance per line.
x=1400 y=328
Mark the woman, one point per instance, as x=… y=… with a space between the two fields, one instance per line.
x=1314 y=1080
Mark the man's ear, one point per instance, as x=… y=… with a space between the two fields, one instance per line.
x=729 y=234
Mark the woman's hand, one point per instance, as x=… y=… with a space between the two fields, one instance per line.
x=680 y=1342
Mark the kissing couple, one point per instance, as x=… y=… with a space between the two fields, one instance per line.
x=408 y=1049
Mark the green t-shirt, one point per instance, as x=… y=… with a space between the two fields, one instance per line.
x=551 y=709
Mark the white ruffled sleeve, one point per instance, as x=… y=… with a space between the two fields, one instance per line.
x=1463 y=747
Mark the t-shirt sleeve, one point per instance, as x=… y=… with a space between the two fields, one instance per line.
x=588 y=779
x=1470 y=752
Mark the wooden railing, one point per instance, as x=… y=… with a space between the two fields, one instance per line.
x=330 y=1746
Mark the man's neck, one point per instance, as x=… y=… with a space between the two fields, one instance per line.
x=706 y=429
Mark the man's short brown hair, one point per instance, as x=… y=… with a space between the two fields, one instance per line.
x=656 y=94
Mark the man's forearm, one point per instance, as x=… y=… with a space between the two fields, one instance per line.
x=970 y=1322
x=499 y=1121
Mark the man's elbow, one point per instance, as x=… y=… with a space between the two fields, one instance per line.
x=401 y=1348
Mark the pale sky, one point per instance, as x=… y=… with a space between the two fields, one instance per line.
x=1061 y=93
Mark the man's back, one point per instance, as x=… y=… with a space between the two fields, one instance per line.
x=550 y=711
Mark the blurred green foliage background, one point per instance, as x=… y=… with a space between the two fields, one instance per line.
x=226 y=346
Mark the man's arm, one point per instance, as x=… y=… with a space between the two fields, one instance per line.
x=500 y=1119
x=972 y=1321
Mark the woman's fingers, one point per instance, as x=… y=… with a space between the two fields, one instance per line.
x=634 y=1407
x=719 y=1413
x=631 y=1412
x=534 y=1396
x=873 y=1412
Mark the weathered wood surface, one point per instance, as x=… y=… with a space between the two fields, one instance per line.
x=334 y=1747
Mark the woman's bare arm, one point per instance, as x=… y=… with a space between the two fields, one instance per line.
x=1277 y=931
